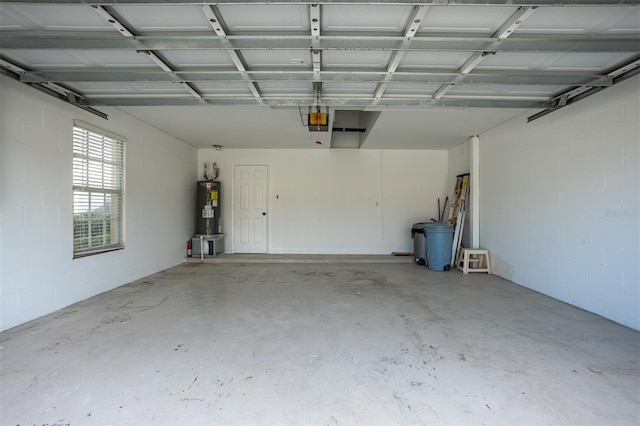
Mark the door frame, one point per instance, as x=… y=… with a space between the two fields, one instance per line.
x=233 y=205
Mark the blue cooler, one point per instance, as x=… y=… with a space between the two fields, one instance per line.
x=439 y=237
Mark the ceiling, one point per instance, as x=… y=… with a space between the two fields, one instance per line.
x=390 y=74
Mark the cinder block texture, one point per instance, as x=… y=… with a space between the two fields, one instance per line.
x=559 y=204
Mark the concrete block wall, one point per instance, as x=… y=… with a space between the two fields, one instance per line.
x=37 y=271
x=339 y=201
x=560 y=202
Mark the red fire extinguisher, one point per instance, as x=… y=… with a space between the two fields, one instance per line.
x=189 y=249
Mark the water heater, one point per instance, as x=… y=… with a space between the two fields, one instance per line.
x=208 y=208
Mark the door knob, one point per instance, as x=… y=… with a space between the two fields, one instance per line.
x=264 y=213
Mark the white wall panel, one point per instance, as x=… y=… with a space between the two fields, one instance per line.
x=559 y=206
x=339 y=201
x=38 y=273
x=413 y=181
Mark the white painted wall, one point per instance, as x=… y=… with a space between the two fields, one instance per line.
x=38 y=274
x=459 y=162
x=339 y=201
x=559 y=206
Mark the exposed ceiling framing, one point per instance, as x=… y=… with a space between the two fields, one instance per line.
x=217 y=24
x=364 y=54
x=361 y=2
x=122 y=29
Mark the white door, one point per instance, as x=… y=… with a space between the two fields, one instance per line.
x=250 y=209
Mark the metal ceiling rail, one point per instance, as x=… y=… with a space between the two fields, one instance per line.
x=89 y=40
x=505 y=30
x=315 y=27
x=346 y=101
x=567 y=3
x=59 y=92
x=122 y=29
x=411 y=29
x=137 y=75
x=617 y=74
x=219 y=27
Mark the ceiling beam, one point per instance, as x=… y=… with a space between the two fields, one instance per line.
x=619 y=75
x=584 y=44
x=315 y=26
x=346 y=101
x=15 y=72
x=121 y=27
x=505 y=30
x=411 y=29
x=494 y=77
x=567 y=3
x=217 y=25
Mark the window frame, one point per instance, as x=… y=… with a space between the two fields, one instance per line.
x=98 y=177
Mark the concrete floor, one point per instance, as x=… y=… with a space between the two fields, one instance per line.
x=239 y=342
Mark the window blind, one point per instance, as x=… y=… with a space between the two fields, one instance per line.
x=98 y=182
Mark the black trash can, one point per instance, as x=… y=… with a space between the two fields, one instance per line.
x=419 y=242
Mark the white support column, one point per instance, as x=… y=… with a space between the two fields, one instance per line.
x=475 y=191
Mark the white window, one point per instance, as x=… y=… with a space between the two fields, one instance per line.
x=98 y=183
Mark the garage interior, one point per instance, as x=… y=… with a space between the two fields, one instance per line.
x=314 y=320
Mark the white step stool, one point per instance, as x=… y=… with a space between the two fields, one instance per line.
x=477 y=257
